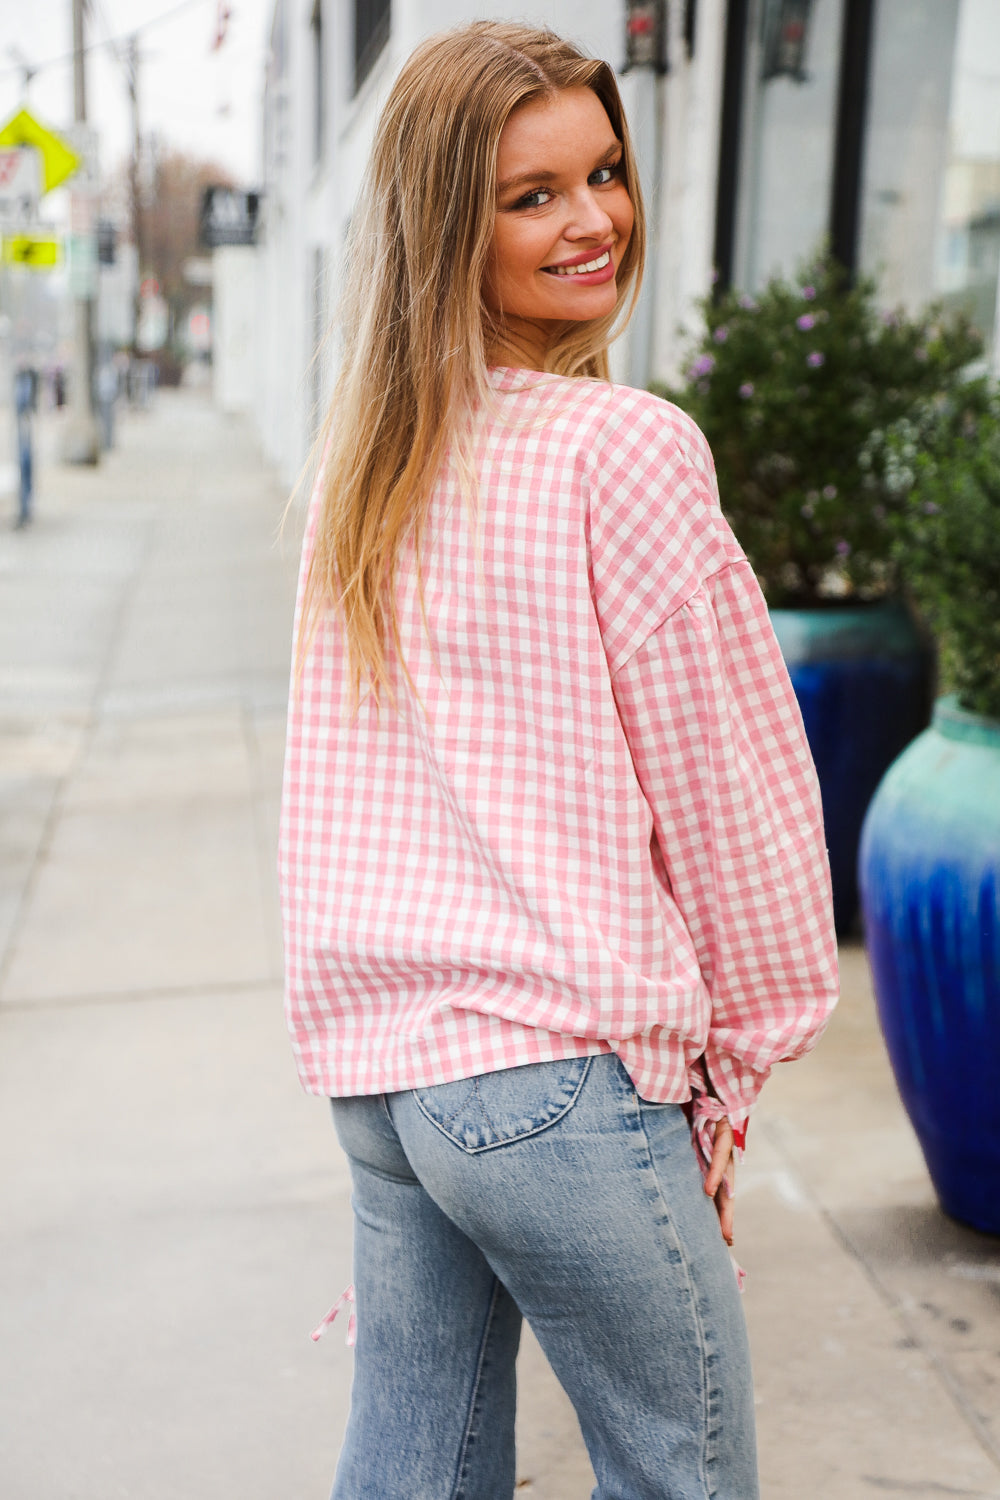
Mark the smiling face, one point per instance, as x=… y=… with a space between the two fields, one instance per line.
x=563 y=222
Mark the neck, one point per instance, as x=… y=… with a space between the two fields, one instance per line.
x=522 y=345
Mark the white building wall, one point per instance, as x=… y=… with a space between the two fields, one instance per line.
x=283 y=279
x=234 y=327
x=682 y=220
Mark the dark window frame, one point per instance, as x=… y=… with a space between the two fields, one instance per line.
x=372 y=24
x=730 y=142
x=319 y=81
x=857 y=42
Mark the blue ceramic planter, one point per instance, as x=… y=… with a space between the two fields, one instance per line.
x=863 y=676
x=930 y=883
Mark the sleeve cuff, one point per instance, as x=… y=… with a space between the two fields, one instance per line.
x=705 y=1112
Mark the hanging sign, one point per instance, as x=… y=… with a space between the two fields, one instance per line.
x=228 y=217
x=58 y=161
x=20 y=181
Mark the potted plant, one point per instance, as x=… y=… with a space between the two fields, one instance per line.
x=930 y=852
x=789 y=387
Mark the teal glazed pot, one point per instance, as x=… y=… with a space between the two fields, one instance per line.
x=930 y=884
x=863 y=675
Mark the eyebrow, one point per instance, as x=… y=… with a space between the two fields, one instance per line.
x=523 y=178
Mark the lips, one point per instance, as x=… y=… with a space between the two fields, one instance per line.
x=581 y=265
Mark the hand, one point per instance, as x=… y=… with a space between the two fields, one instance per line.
x=721 y=1179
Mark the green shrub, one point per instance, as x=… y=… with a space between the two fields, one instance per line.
x=788 y=387
x=943 y=465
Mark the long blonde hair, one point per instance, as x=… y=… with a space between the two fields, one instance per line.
x=413 y=323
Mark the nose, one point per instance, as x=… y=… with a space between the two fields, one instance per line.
x=589 y=219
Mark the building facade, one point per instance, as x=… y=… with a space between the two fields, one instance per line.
x=769 y=127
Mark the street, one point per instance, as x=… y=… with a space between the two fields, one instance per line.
x=176 y=1212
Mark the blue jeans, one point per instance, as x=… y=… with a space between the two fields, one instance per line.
x=555 y=1192
x=25 y=466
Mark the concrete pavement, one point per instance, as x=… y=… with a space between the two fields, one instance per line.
x=175 y=1212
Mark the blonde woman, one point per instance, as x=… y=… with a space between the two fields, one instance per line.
x=554 y=880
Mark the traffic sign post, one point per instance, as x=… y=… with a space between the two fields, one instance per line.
x=80 y=438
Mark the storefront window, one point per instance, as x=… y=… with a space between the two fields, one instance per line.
x=907 y=147
x=931 y=211
x=967 y=266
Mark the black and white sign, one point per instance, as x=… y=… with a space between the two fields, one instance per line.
x=228 y=217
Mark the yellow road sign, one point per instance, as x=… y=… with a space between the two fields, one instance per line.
x=40 y=251
x=58 y=161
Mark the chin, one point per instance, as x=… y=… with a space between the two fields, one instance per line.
x=587 y=311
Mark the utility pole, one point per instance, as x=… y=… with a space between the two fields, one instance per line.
x=81 y=443
x=135 y=210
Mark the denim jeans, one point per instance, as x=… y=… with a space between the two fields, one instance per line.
x=25 y=465
x=554 y=1192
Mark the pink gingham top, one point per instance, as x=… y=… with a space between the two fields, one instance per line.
x=592 y=822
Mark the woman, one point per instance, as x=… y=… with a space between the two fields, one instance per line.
x=553 y=867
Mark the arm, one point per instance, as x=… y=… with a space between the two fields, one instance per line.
x=718 y=746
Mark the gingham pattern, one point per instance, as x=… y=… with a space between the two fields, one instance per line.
x=593 y=823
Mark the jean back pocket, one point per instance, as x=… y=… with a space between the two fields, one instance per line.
x=496 y=1109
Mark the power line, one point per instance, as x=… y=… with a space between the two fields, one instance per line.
x=100 y=17
x=112 y=42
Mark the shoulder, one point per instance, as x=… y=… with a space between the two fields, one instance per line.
x=648 y=457
x=657 y=531
x=641 y=428
x=622 y=439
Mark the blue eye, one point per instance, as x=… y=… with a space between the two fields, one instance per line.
x=540 y=196
x=535 y=199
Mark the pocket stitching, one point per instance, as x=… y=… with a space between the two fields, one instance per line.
x=512 y=1139
x=482 y=1105
x=461 y=1102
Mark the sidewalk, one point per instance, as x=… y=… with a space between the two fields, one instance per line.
x=175 y=1213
